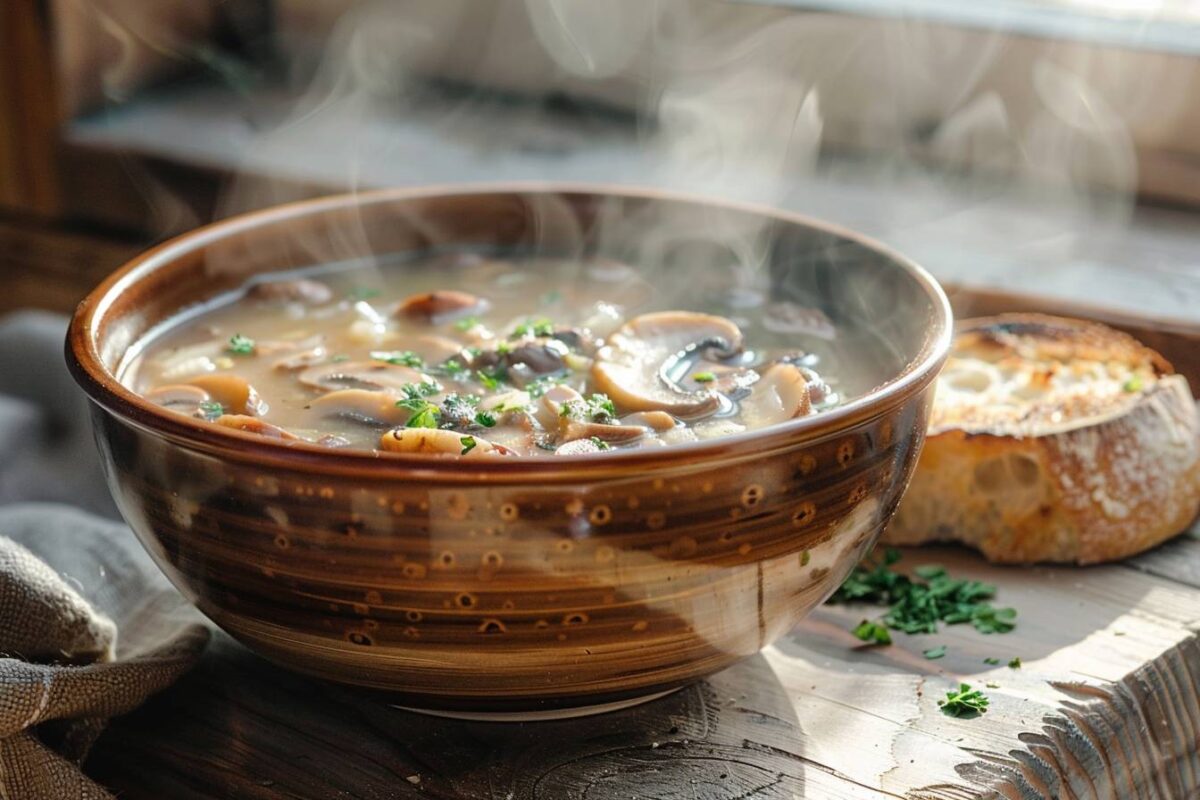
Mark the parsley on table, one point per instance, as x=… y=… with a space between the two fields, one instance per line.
x=1015 y=663
x=918 y=604
x=241 y=345
x=964 y=702
x=991 y=660
x=211 y=409
x=934 y=652
x=468 y=444
x=704 y=377
x=402 y=358
x=873 y=632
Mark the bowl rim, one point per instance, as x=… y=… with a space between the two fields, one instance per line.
x=105 y=390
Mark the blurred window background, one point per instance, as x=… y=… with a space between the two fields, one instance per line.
x=1044 y=146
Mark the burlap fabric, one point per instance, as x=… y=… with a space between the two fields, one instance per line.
x=89 y=628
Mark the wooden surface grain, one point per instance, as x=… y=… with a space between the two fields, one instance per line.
x=1106 y=702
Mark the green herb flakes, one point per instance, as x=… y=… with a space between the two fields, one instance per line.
x=240 y=345
x=1134 y=384
x=360 y=293
x=873 y=632
x=918 y=604
x=211 y=410
x=468 y=444
x=992 y=661
x=403 y=358
x=964 y=702
x=466 y=323
x=1015 y=663
x=934 y=652
x=538 y=327
x=704 y=377
x=600 y=443
x=485 y=419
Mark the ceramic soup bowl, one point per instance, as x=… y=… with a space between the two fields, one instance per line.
x=519 y=585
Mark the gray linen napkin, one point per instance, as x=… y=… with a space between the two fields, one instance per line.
x=89 y=628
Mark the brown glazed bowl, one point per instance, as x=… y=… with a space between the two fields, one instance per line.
x=519 y=585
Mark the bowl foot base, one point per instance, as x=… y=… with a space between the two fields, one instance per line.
x=539 y=716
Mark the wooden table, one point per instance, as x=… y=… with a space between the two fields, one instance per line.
x=1106 y=704
x=1107 y=701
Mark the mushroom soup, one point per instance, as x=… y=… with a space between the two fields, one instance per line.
x=539 y=357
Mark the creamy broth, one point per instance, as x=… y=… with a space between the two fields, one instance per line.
x=474 y=357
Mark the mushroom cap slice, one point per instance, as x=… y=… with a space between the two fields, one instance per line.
x=370 y=375
x=302 y=290
x=654 y=420
x=179 y=397
x=780 y=394
x=617 y=434
x=627 y=369
x=249 y=424
x=439 y=306
x=364 y=405
x=435 y=440
x=234 y=393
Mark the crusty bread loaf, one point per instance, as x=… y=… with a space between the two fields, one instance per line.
x=1054 y=440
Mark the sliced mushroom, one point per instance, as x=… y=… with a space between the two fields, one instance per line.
x=436 y=349
x=440 y=306
x=234 y=393
x=248 y=424
x=550 y=409
x=629 y=368
x=180 y=398
x=781 y=394
x=436 y=440
x=302 y=290
x=302 y=359
x=577 y=447
x=362 y=405
x=333 y=440
x=654 y=420
x=370 y=375
x=617 y=434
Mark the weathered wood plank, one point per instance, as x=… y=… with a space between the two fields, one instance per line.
x=1107 y=654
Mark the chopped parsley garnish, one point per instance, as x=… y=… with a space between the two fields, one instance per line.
x=452 y=367
x=466 y=323
x=964 y=702
x=490 y=378
x=918 y=604
x=422 y=389
x=934 y=652
x=535 y=327
x=1015 y=663
x=211 y=409
x=503 y=348
x=241 y=345
x=704 y=377
x=540 y=386
x=461 y=409
x=600 y=443
x=473 y=352
x=873 y=632
x=597 y=408
x=403 y=358
x=424 y=413
x=468 y=444
x=1134 y=384
x=485 y=419
x=359 y=293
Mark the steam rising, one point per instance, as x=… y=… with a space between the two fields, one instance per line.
x=735 y=100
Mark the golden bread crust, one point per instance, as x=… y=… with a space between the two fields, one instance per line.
x=1086 y=449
